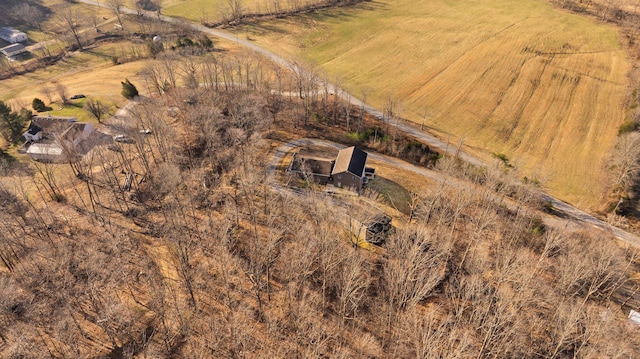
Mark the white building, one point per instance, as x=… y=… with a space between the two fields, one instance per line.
x=34 y=133
x=47 y=152
x=12 y=35
x=634 y=317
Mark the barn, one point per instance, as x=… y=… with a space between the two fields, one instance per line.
x=349 y=168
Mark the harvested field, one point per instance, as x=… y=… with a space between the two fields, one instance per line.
x=545 y=87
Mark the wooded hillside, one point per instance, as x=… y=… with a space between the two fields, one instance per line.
x=202 y=258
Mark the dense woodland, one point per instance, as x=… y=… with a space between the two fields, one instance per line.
x=201 y=258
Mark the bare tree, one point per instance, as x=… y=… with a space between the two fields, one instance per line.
x=234 y=10
x=116 y=7
x=47 y=91
x=625 y=166
x=97 y=108
x=352 y=285
x=189 y=72
x=31 y=14
x=62 y=92
x=389 y=111
x=48 y=181
x=72 y=21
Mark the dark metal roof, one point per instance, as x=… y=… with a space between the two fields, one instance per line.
x=11 y=49
x=33 y=129
x=351 y=160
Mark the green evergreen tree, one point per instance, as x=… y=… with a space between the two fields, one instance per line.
x=12 y=123
x=129 y=90
x=38 y=105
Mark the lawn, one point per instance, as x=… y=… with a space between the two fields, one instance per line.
x=393 y=194
x=545 y=87
x=73 y=109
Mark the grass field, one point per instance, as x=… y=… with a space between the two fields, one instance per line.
x=207 y=10
x=86 y=73
x=545 y=87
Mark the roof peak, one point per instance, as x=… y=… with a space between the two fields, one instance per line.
x=350 y=159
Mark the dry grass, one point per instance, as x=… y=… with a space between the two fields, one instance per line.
x=90 y=72
x=81 y=73
x=207 y=10
x=545 y=87
x=392 y=193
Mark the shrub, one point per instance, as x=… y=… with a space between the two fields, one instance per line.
x=627 y=126
x=147 y=5
x=129 y=90
x=502 y=157
x=206 y=42
x=365 y=135
x=38 y=105
x=155 y=47
x=12 y=123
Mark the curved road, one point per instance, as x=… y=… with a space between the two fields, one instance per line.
x=433 y=142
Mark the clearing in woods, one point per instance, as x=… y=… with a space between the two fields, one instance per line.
x=542 y=86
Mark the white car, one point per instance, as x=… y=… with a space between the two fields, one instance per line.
x=123 y=139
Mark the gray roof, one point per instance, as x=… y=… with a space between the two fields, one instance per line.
x=47 y=149
x=351 y=160
x=318 y=166
x=8 y=31
x=49 y=121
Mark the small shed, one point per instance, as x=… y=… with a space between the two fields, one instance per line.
x=634 y=317
x=349 y=168
x=370 y=173
x=374 y=230
x=378 y=229
x=12 y=35
x=12 y=51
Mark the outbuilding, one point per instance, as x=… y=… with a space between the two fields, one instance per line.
x=12 y=35
x=12 y=51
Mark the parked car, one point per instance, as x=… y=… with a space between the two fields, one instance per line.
x=75 y=97
x=114 y=147
x=123 y=139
